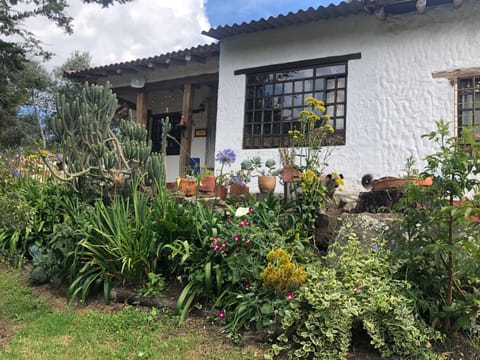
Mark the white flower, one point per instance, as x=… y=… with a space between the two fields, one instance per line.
x=241 y=211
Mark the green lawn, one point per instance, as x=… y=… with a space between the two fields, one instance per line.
x=32 y=328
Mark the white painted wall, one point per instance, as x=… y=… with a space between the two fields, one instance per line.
x=392 y=98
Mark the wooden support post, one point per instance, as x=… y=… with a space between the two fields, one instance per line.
x=186 y=138
x=142 y=107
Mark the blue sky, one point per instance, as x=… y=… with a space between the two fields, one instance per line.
x=227 y=12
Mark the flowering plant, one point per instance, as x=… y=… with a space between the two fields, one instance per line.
x=224 y=157
x=243 y=175
x=313 y=132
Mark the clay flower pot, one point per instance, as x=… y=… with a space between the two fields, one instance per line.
x=221 y=192
x=237 y=190
x=290 y=174
x=267 y=184
x=187 y=186
x=207 y=183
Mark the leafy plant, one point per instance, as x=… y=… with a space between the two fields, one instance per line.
x=354 y=287
x=441 y=249
x=267 y=168
x=120 y=244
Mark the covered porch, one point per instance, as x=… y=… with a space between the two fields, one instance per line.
x=180 y=85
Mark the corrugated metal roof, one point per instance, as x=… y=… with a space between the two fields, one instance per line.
x=354 y=7
x=199 y=53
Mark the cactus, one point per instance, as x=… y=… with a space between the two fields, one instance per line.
x=95 y=152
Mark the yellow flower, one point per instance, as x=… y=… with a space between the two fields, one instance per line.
x=330 y=129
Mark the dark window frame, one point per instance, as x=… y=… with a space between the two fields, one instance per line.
x=468 y=103
x=275 y=94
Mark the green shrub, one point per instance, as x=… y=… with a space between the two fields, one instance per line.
x=225 y=261
x=440 y=246
x=352 y=288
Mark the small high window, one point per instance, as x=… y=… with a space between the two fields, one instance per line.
x=468 y=103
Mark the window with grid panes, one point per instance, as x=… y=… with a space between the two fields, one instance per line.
x=274 y=100
x=468 y=103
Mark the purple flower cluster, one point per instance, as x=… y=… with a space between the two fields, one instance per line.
x=226 y=157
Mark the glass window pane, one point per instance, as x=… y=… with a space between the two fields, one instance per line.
x=249 y=104
x=319 y=95
x=341 y=82
x=330 y=97
x=308 y=85
x=258 y=103
x=267 y=117
x=298 y=86
x=276 y=115
x=278 y=89
x=276 y=128
x=340 y=110
x=340 y=124
x=286 y=114
x=287 y=87
x=297 y=100
x=330 y=110
x=287 y=101
x=329 y=70
x=331 y=84
x=277 y=101
x=296 y=112
x=266 y=129
x=340 y=96
x=250 y=92
x=249 y=117
x=319 y=84
x=269 y=102
x=258 y=116
x=268 y=90
x=258 y=91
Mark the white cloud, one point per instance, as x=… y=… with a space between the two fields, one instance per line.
x=138 y=29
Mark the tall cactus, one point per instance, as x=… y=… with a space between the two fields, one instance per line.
x=94 y=152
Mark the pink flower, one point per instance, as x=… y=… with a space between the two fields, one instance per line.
x=244 y=223
x=216 y=247
x=236 y=237
x=250 y=209
x=221 y=314
x=215 y=239
x=290 y=296
x=356 y=288
x=224 y=244
x=229 y=218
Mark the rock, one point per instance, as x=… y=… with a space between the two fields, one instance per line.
x=368 y=227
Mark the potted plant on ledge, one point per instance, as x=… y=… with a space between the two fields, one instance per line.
x=238 y=181
x=223 y=157
x=267 y=174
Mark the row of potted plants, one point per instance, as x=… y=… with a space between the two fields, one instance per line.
x=265 y=171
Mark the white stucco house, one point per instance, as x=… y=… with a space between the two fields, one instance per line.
x=386 y=70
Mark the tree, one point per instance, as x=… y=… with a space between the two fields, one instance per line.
x=63 y=85
x=18 y=44
x=28 y=104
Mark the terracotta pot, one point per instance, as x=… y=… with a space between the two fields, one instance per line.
x=267 y=183
x=237 y=190
x=221 y=192
x=290 y=174
x=390 y=182
x=207 y=184
x=187 y=186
